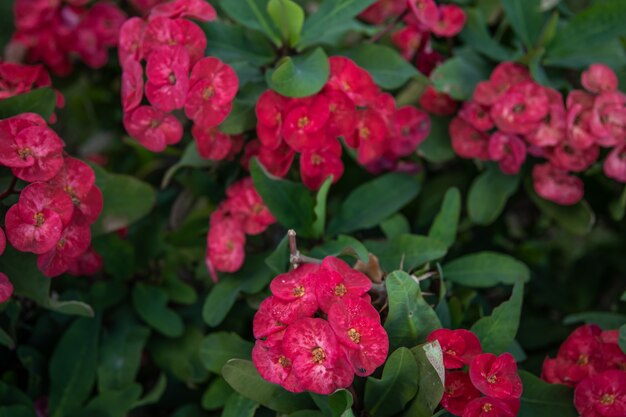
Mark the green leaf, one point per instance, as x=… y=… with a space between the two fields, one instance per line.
x=395 y=225
x=181 y=356
x=233 y=43
x=218 y=348
x=300 y=76
x=290 y=202
x=73 y=367
x=41 y=101
x=278 y=261
x=437 y=147
x=17 y=411
x=155 y=393
x=238 y=406
x=526 y=19
x=150 y=303
x=338 y=404
x=217 y=394
x=622 y=338
x=489 y=193
x=245 y=379
x=126 y=200
x=445 y=225
x=476 y=35
x=541 y=399
x=604 y=319
x=320 y=207
x=112 y=403
x=410 y=317
x=497 y=331
x=386 y=66
x=331 y=15
x=594 y=28
x=387 y=396
x=242 y=117
x=191 y=158
x=29 y=282
x=486 y=269
x=458 y=76
x=577 y=219
x=288 y=17
x=251 y=14
x=118 y=255
x=120 y=353
x=408 y=251
x=429 y=359
x=342 y=245
x=373 y=202
x=6 y=340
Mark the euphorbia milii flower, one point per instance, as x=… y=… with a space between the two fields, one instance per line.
x=459 y=346
x=337 y=280
x=557 y=185
x=317 y=164
x=599 y=78
x=602 y=395
x=194 y=9
x=491 y=407
x=153 y=128
x=74 y=241
x=615 y=164
x=132 y=85
x=298 y=288
x=167 y=72
x=211 y=143
x=509 y=150
x=467 y=141
x=458 y=392
x=496 y=376
x=245 y=203
x=410 y=127
x=437 y=103
x=304 y=125
x=225 y=246
x=6 y=288
x=273 y=365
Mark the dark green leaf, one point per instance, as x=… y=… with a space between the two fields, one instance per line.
x=232 y=43
x=437 y=147
x=342 y=245
x=408 y=251
x=445 y=225
x=386 y=396
x=541 y=399
x=486 y=269
x=395 y=225
x=6 y=340
x=17 y=411
x=251 y=14
x=238 y=406
x=245 y=379
x=218 y=348
x=73 y=367
x=410 y=317
x=191 y=158
x=622 y=338
x=278 y=261
x=604 y=319
x=577 y=219
x=497 y=331
x=118 y=255
x=476 y=35
x=155 y=393
x=320 y=208
x=217 y=394
x=40 y=101
x=291 y=203
x=300 y=76
x=150 y=303
x=429 y=359
x=489 y=193
x=526 y=18
x=288 y=16
x=458 y=76
x=180 y=356
x=386 y=66
x=112 y=403
x=373 y=202
x=338 y=404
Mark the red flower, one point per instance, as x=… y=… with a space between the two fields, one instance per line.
x=459 y=346
x=491 y=407
x=270 y=112
x=317 y=359
x=272 y=363
x=410 y=127
x=450 y=22
x=319 y=163
x=277 y=161
x=602 y=395
x=467 y=141
x=160 y=31
x=225 y=246
x=246 y=204
x=382 y=10
x=509 y=150
x=195 y=9
x=557 y=185
x=30 y=148
x=608 y=118
x=370 y=136
x=6 y=288
x=357 y=327
x=408 y=40
x=583 y=351
x=298 y=288
x=567 y=157
x=353 y=80
x=615 y=164
x=437 y=103
x=74 y=242
x=211 y=143
x=552 y=129
x=599 y=78
x=132 y=85
x=337 y=280
x=36 y=222
x=425 y=11
x=521 y=108
x=130 y=47
x=3 y=241
x=342 y=117
x=458 y=392
x=476 y=115
x=153 y=128
x=213 y=86
x=167 y=72
x=579 y=132
x=496 y=376
x=305 y=122
x=503 y=77
x=86 y=264
x=274 y=315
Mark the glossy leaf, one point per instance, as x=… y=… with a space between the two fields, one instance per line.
x=485 y=269
x=447 y=221
x=288 y=16
x=489 y=194
x=342 y=245
x=218 y=348
x=320 y=207
x=300 y=76
x=150 y=303
x=40 y=101
x=407 y=251
x=541 y=399
x=526 y=18
x=252 y=14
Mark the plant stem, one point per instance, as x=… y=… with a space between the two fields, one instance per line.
x=295 y=257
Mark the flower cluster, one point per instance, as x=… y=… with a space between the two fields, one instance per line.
x=591 y=361
x=178 y=76
x=490 y=386
x=242 y=213
x=350 y=106
x=52 y=32
x=318 y=329
x=53 y=214
x=511 y=116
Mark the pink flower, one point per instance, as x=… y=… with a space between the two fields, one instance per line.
x=357 y=327
x=608 y=118
x=410 y=127
x=304 y=125
x=408 y=40
x=274 y=315
x=425 y=11
x=272 y=363
x=195 y=9
x=6 y=288
x=225 y=246
x=552 y=129
x=521 y=108
x=318 y=362
x=132 y=85
x=557 y=185
x=153 y=128
x=36 y=222
x=246 y=204
x=599 y=78
x=459 y=346
x=615 y=164
x=86 y=264
x=602 y=395
x=160 y=31
x=509 y=150
x=270 y=113
x=194 y=40
x=74 y=242
x=298 y=288
x=569 y=158
x=337 y=280
x=476 y=115
x=491 y=407
x=467 y=141
x=167 y=72
x=342 y=117
x=3 y=241
x=496 y=376
x=131 y=40
x=579 y=132
x=459 y=391
x=370 y=136
x=437 y=103
x=503 y=77
x=211 y=143
x=319 y=163
x=450 y=22
x=277 y=161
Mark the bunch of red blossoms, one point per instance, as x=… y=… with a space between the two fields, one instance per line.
x=511 y=116
x=52 y=31
x=490 y=386
x=53 y=214
x=591 y=361
x=178 y=77
x=318 y=329
x=242 y=213
x=351 y=106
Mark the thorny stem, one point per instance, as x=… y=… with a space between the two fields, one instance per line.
x=378 y=36
x=10 y=189
x=295 y=257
